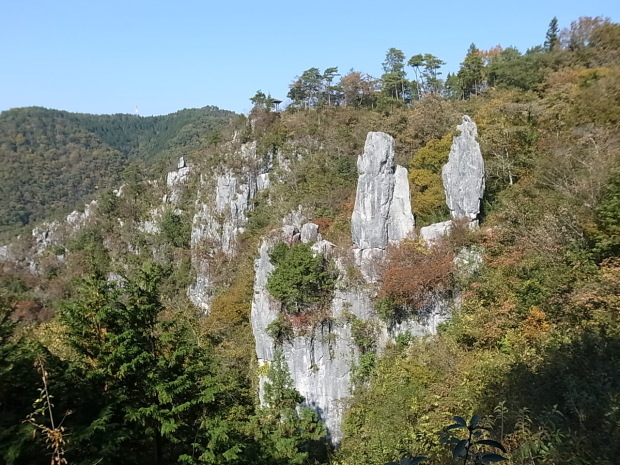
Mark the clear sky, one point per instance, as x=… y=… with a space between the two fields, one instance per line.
x=96 y=56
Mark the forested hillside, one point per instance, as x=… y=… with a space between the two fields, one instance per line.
x=52 y=161
x=106 y=358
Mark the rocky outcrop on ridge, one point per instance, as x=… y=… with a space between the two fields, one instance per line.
x=320 y=360
x=175 y=180
x=221 y=217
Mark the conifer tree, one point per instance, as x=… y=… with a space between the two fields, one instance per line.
x=552 y=39
x=156 y=393
x=471 y=73
x=286 y=432
x=17 y=391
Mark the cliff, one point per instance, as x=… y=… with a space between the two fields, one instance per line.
x=323 y=349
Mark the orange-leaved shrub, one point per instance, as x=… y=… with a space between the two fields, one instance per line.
x=413 y=274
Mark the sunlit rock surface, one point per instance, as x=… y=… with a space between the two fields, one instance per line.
x=382 y=212
x=463 y=175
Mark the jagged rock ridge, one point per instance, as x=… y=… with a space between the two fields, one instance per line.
x=218 y=221
x=322 y=359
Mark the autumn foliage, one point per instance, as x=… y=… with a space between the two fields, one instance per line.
x=414 y=272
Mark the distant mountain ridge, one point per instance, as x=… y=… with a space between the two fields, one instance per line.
x=53 y=160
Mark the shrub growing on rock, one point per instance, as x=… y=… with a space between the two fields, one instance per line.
x=301 y=279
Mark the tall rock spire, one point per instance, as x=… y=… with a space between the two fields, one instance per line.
x=463 y=175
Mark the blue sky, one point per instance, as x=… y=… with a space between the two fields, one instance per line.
x=95 y=56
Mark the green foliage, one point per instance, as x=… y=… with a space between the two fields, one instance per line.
x=365 y=367
x=471 y=74
x=364 y=334
x=552 y=38
x=262 y=101
x=108 y=203
x=280 y=329
x=19 y=380
x=175 y=229
x=474 y=448
x=301 y=278
x=88 y=242
x=510 y=69
x=53 y=161
x=314 y=89
x=152 y=387
x=429 y=82
x=394 y=84
x=427 y=193
x=286 y=432
x=606 y=233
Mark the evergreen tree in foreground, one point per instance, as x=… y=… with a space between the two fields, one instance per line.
x=287 y=433
x=152 y=392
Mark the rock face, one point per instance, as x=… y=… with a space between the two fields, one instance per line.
x=463 y=175
x=49 y=234
x=175 y=180
x=400 y=218
x=435 y=231
x=220 y=218
x=382 y=212
x=320 y=360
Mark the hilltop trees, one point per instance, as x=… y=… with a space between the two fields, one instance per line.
x=427 y=79
x=471 y=74
x=552 y=39
x=394 y=83
x=313 y=88
x=358 y=90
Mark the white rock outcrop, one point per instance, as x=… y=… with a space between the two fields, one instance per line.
x=320 y=360
x=463 y=175
x=175 y=180
x=382 y=212
x=435 y=231
x=220 y=219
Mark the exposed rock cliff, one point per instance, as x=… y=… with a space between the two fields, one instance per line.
x=322 y=359
x=175 y=180
x=221 y=217
x=463 y=182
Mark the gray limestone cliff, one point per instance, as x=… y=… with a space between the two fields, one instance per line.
x=463 y=175
x=220 y=216
x=322 y=359
x=175 y=180
x=463 y=182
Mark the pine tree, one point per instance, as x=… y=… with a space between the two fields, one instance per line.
x=471 y=73
x=552 y=39
x=394 y=82
x=18 y=383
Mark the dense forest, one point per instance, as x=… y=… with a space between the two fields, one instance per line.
x=52 y=161
x=103 y=359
